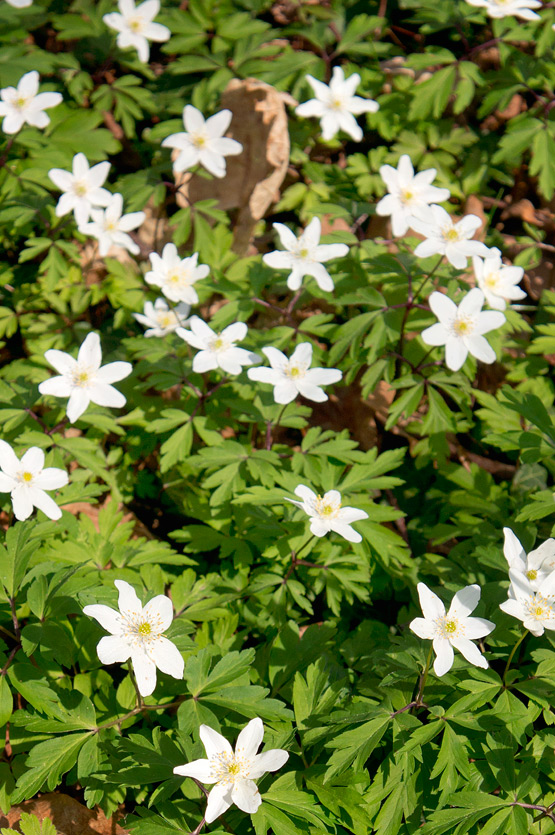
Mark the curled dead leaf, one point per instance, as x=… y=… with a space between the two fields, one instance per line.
x=68 y=816
x=254 y=177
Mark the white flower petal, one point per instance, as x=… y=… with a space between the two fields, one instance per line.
x=444 y=656
x=145 y=672
x=104 y=395
x=78 y=402
x=33 y=460
x=90 y=353
x=470 y=651
x=464 y=602
x=108 y=618
x=219 y=801
x=111 y=649
x=128 y=602
x=199 y=769
x=114 y=372
x=9 y=462
x=159 y=611
x=250 y=739
x=456 y=353
x=270 y=760
x=214 y=743
x=42 y=501
x=246 y=796
x=167 y=657
x=425 y=629
x=431 y=605
x=21 y=503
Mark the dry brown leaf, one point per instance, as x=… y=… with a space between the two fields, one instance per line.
x=68 y=816
x=526 y=211
x=474 y=206
x=253 y=177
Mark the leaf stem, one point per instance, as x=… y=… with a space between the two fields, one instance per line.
x=511 y=656
x=270 y=425
x=140 y=701
x=295 y=561
x=422 y=683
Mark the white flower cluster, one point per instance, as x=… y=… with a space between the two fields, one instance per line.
x=531 y=599
x=411 y=203
x=137 y=632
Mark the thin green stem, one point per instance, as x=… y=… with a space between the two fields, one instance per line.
x=140 y=701
x=137 y=710
x=428 y=277
x=303 y=546
x=422 y=683
x=270 y=425
x=512 y=655
x=295 y=560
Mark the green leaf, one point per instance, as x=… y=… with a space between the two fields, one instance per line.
x=47 y=762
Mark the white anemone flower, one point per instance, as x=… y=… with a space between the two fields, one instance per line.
x=81 y=189
x=110 y=227
x=135 y=26
x=83 y=380
x=136 y=632
x=461 y=328
x=407 y=192
x=294 y=376
x=25 y=105
x=203 y=142
x=327 y=514
x=533 y=605
x=497 y=281
x=174 y=275
x=336 y=105
x=536 y=566
x=160 y=319
x=233 y=772
x=443 y=237
x=27 y=480
x=454 y=630
x=20 y=4
x=304 y=255
x=506 y=8
x=217 y=350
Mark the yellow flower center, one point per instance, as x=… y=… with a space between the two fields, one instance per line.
x=80 y=189
x=218 y=344
x=82 y=378
x=532 y=575
x=144 y=628
x=406 y=196
x=336 y=104
x=199 y=140
x=293 y=372
x=110 y=226
x=164 y=320
x=539 y=607
x=327 y=508
x=20 y=102
x=304 y=253
x=491 y=280
x=234 y=768
x=27 y=477
x=136 y=24
x=463 y=325
x=450 y=626
x=451 y=235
